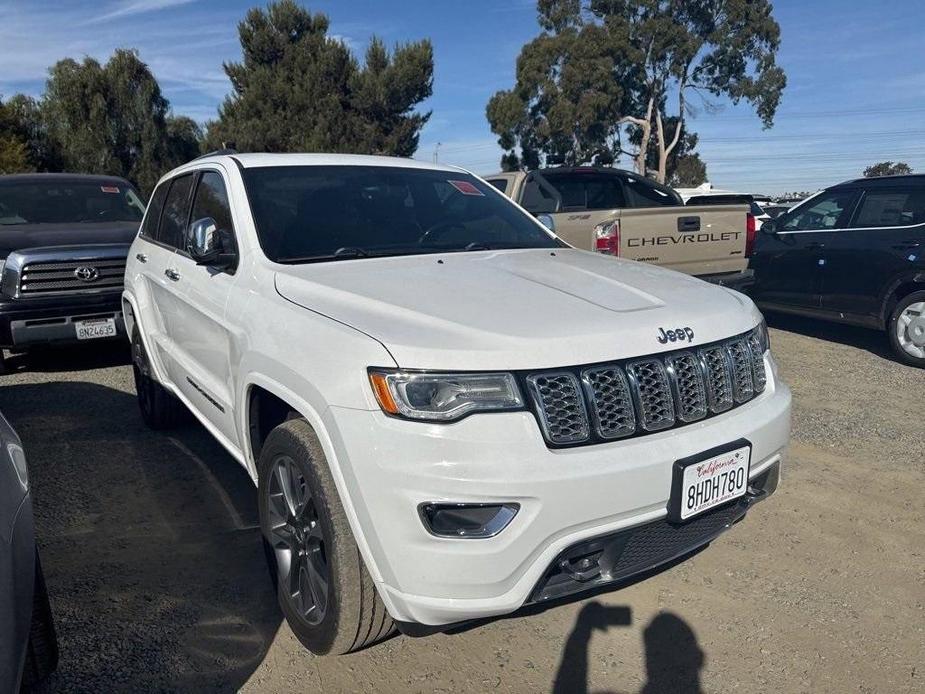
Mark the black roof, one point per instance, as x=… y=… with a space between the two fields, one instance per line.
x=887 y=181
x=61 y=177
x=585 y=169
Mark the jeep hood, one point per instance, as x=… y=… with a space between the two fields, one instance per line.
x=516 y=309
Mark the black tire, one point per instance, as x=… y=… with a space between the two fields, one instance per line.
x=159 y=408
x=893 y=329
x=42 y=650
x=351 y=615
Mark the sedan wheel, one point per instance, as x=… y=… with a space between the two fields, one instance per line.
x=910 y=330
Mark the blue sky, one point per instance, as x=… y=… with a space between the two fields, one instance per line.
x=856 y=73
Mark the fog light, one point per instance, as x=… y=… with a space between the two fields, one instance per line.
x=467 y=520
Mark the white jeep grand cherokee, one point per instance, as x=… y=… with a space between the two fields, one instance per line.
x=448 y=413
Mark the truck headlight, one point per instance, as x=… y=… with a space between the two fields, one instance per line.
x=443 y=397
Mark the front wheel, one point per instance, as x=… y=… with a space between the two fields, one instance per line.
x=322 y=584
x=907 y=329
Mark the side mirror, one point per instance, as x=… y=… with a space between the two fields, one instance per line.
x=769 y=226
x=209 y=245
x=547 y=221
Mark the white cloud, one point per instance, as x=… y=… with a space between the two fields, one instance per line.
x=185 y=53
x=127 y=8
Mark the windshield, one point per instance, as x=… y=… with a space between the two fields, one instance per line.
x=68 y=202
x=316 y=213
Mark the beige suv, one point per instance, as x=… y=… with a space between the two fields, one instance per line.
x=622 y=214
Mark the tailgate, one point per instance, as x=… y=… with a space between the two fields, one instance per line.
x=700 y=240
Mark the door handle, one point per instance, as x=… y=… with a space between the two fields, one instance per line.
x=141 y=257
x=172 y=274
x=907 y=246
x=815 y=246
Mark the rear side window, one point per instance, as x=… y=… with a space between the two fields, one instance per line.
x=588 y=191
x=212 y=201
x=176 y=212
x=891 y=208
x=499 y=183
x=153 y=216
x=536 y=198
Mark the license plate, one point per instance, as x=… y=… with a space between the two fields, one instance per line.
x=710 y=479
x=93 y=329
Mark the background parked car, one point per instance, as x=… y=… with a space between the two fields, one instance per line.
x=852 y=254
x=620 y=213
x=63 y=243
x=28 y=647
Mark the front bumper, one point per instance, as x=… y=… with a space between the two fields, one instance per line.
x=566 y=496
x=28 y=322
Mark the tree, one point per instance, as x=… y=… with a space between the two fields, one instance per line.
x=569 y=86
x=887 y=168
x=13 y=155
x=634 y=56
x=298 y=89
x=184 y=138
x=683 y=166
x=113 y=119
x=21 y=121
x=689 y=172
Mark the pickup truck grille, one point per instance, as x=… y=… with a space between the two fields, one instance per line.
x=645 y=395
x=39 y=279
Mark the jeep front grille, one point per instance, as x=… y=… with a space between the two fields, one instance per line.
x=38 y=279
x=649 y=394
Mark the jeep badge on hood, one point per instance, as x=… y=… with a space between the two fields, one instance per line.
x=676 y=335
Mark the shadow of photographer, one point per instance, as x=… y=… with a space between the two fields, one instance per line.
x=673 y=657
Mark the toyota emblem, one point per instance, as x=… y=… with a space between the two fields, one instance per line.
x=85 y=273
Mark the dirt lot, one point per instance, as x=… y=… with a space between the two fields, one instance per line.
x=158 y=579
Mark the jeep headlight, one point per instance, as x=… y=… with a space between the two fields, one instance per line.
x=443 y=397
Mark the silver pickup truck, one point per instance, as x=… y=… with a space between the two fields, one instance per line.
x=620 y=213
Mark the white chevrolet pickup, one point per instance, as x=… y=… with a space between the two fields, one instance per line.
x=448 y=413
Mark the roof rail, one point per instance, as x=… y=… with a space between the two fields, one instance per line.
x=216 y=153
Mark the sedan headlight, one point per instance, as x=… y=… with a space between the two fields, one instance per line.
x=443 y=397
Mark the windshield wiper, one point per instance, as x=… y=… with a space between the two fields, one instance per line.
x=343 y=253
x=351 y=252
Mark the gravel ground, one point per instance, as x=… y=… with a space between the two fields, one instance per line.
x=158 y=581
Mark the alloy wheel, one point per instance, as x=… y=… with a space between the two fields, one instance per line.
x=298 y=541
x=910 y=330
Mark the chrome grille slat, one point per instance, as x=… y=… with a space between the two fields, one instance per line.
x=561 y=406
x=649 y=379
x=739 y=353
x=719 y=378
x=690 y=390
x=611 y=401
x=648 y=394
x=758 y=371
